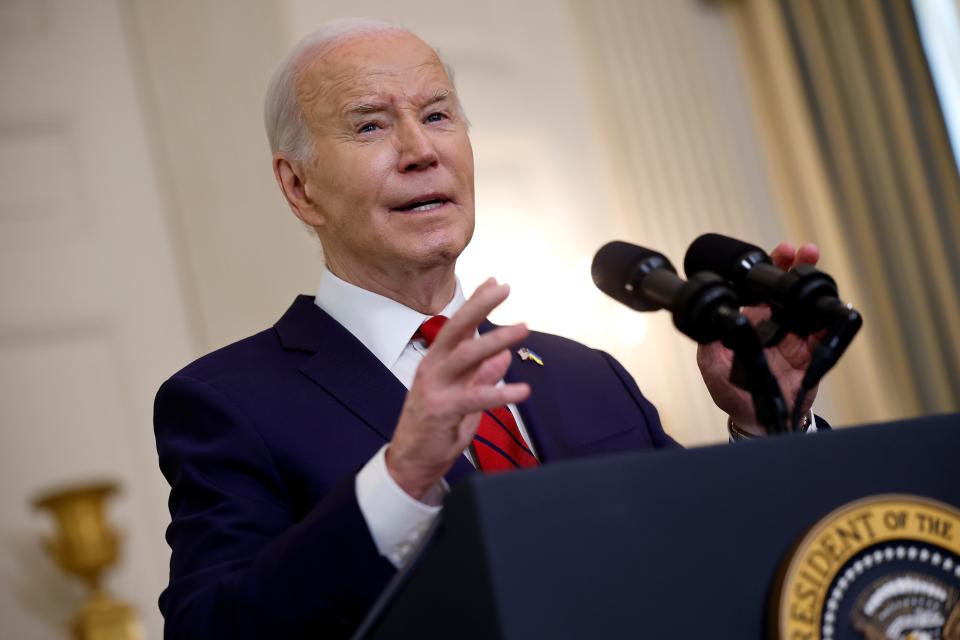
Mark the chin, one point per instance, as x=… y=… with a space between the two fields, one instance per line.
x=437 y=255
x=442 y=246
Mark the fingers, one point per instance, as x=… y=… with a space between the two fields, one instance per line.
x=783 y=255
x=471 y=353
x=480 y=397
x=490 y=373
x=467 y=368
x=482 y=392
x=455 y=352
x=786 y=256
x=808 y=254
x=456 y=380
x=493 y=369
x=464 y=322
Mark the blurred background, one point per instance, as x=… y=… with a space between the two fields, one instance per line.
x=140 y=226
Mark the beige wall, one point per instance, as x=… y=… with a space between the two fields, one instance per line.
x=93 y=313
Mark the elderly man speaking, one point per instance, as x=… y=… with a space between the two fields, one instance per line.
x=306 y=461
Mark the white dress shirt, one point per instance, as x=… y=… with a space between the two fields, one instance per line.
x=396 y=520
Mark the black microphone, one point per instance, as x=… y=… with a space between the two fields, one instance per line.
x=703 y=308
x=803 y=299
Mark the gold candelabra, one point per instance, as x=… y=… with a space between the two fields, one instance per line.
x=85 y=545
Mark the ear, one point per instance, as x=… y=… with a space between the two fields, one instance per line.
x=291 y=178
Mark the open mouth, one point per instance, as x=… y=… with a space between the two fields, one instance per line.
x=421 y=205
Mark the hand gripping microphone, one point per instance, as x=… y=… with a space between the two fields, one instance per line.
x=802 y=300
x=704 y=308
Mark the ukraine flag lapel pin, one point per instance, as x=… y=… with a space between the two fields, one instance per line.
x=526 y=354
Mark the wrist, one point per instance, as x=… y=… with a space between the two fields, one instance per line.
x=414 y=482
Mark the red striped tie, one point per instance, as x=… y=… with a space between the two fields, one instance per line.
x=497 y=445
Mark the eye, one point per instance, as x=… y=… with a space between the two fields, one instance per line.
x=436 y=116
x=368 y=127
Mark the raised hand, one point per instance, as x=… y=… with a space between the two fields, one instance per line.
x=788 y=360
x=454 y=383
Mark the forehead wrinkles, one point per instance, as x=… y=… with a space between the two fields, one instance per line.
x=326 y=87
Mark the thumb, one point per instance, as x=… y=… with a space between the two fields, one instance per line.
x=468 y=428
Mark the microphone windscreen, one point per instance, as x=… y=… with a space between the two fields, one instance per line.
x=717 y=253
x=614 y=266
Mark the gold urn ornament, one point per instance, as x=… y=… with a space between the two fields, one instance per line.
x=85 y=545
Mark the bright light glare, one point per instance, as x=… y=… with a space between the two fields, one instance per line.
x=627 y=327
x=550 y=285
x=939 y=25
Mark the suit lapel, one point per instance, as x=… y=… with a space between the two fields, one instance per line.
x=345 y=368
x=348 y=371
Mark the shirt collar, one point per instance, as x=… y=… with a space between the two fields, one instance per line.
x=384 y=326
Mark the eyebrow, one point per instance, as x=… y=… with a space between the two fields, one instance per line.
x=366 y=108
x=362 y=108
x=438 y=96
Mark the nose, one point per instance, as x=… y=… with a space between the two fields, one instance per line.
x=416 y=149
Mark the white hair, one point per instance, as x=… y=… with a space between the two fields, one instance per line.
x=286 y=130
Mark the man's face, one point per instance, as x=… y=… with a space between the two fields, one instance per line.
x=390 y=181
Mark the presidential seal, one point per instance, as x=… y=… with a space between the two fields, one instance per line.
x=885 y=567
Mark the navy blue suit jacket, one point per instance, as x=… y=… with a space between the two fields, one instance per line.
x=261 y=440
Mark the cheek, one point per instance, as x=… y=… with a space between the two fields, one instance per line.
x=463 y=159
x=364 y=175
x=347 y=164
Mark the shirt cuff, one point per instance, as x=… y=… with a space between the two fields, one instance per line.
x=396 y=520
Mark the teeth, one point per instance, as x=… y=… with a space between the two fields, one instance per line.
x=428 y=206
